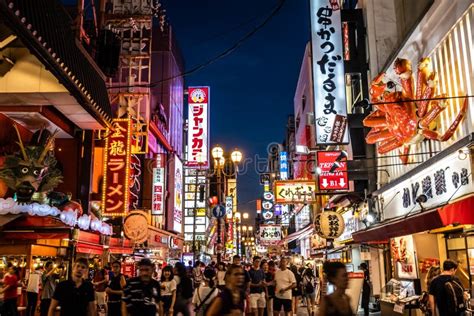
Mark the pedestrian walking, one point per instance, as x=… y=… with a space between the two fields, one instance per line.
x=184 y=290
x=168 y=291
x=205 y=293
x=100 y=281
x=447 y=297
x=308 y=290
x=32 y=291
x=257 y=288
x=269 y=270
x=198 y=273
x=424 y=300
x=296 y=291
x=364 y=302
x=221 y=275
x=114 y=290
x=9 y=291
x=285 y=281
x=231 y=301
x=48 y=285
x=76 y=295
x=141 y=295
x=336 y=303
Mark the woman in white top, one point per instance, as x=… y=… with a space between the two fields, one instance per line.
x=205 y=293
x=168 y=291
x=221 y=275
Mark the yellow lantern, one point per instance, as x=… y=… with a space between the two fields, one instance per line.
x=329 y=224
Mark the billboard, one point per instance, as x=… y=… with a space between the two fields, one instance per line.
x=337 y=179
x=270 y=235
x=328 y=73
x=178 y=195
x=158 y=186
x=198 y=127
x=115 y=187
x=294 y=191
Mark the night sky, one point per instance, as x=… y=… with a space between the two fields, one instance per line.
x=252 y=89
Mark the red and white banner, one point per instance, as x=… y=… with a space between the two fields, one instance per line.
x=337 y=179
x=198 y=127
x=157 y=206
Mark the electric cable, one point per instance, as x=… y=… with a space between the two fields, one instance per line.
x=223 y=54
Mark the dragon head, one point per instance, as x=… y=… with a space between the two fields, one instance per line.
x=33 y=169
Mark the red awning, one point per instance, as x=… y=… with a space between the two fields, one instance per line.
x=400 y=227
x=461 y=212
x=89 y=248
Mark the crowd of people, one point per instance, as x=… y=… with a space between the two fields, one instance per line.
x=260 y=288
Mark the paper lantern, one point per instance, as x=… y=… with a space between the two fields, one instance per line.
x=329 y=224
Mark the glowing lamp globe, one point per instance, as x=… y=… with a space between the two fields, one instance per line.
x=329 y=224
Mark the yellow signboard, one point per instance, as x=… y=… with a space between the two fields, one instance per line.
x=295 y=191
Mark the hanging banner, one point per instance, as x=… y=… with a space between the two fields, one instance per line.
x=178 y=196
x=328 y=73
x=158 y=186
x=198 y=127
x=294 y=191
x=403 y=255
x=115 y=186
x=283 y=165
x=270 y=235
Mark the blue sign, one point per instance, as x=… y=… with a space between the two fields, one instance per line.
x=283 y=165
x=277 y=210
x=218 y=211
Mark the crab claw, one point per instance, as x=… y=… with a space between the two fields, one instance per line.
x=377 y=87
x=403 y=69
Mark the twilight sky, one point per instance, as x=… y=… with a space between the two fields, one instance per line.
x=252 y=89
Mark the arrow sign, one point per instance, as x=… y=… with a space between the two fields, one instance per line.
x=333 y=166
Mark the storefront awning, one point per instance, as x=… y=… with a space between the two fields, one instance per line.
x=308 y=230
x=458 y=213
x=400 y=227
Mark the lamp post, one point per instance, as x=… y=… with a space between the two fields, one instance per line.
x=219 y=162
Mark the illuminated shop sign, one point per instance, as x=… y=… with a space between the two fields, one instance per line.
x=115 y=187
x=178 y=195
x=294 y=191
x=158 y=187
x=270 y=234
x=328 y=73
x=439 y=183
x=198 y=129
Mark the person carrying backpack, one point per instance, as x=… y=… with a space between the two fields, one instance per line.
x=205 y=293
x=309 y=293
x=446 y=291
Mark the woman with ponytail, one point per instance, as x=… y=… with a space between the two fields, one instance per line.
x=205 y=293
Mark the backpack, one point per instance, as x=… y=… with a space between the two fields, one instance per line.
x=205 y=303
x=308 y=287
x=455 y=292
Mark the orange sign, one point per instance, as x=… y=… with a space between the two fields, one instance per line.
x=115 y=187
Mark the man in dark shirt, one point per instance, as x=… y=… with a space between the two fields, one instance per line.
x=75 y=296
x=438 y=294
x=257 y=288
x=141 y=295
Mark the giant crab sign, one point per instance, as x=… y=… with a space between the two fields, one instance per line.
x=398 y=122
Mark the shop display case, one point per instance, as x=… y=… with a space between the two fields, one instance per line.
x=400 y=296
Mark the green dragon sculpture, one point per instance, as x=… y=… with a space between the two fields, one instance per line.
x=32 y=169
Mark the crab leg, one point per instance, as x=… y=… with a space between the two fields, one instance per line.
x=438 y=107
x=423 y=74
x=403 y=69
x=375 y=119
x=404 y=154
x=428 y=93
x=447 y=135
x=388 y=145
x=377 y=135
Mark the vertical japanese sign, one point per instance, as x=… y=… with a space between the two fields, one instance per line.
x=198 y=127
x=178 y=195
x=158 y=186
x=283 y=165
x=232 y=192
x=115 y=186
x=328 y=73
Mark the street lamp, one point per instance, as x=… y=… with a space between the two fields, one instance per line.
x=219 y=159
x=245 y=215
